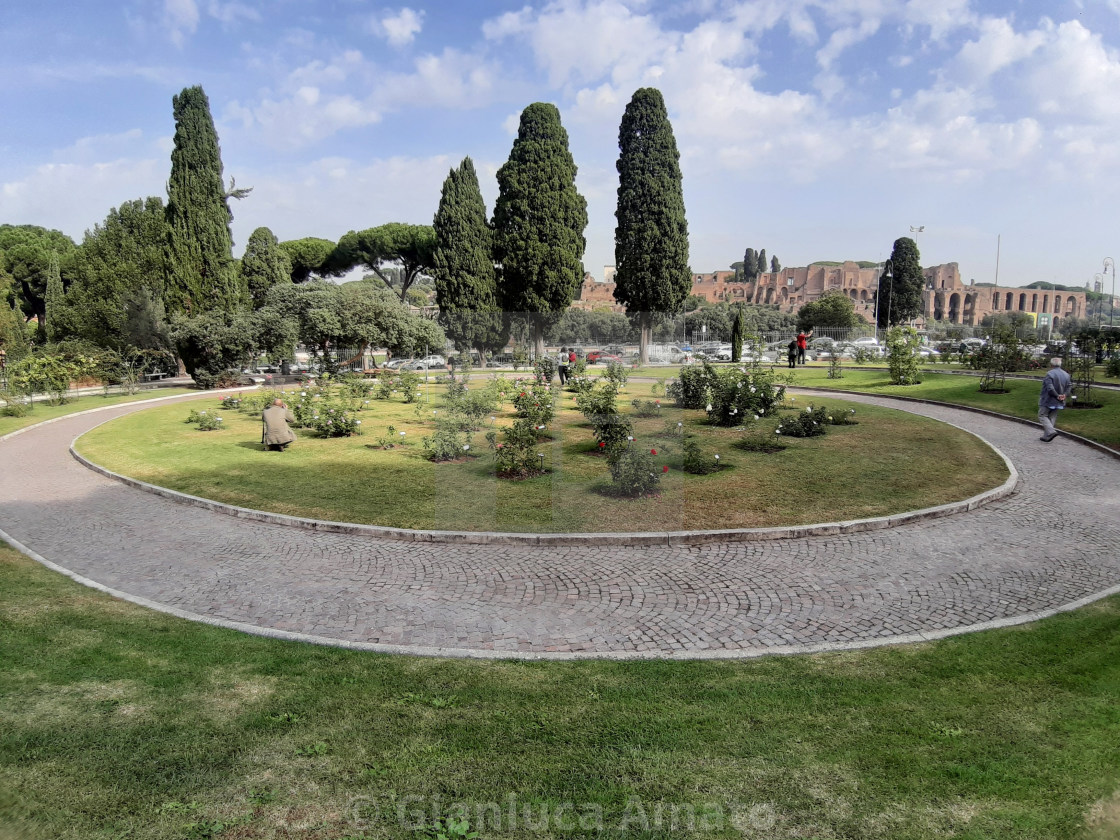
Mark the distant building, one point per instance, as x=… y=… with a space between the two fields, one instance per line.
x=945 y=299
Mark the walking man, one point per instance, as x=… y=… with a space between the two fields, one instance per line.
x=1056 y=386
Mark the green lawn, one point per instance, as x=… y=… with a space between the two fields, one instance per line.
x=118 y=722
x=916 y=464
x=43 y=411
x=1102 y=425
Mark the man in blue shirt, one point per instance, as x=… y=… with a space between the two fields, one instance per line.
x=1056 y=386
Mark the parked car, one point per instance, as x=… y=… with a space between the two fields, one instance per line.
x=425 y=363
x=601 y=356
x=394 y=364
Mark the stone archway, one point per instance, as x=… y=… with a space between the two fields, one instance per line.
x=955 y=308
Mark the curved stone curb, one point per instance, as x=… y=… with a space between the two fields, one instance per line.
x=647 y=538
x=1092 y=444
x=481 y=653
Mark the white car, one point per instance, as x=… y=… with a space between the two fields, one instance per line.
x=425 y=363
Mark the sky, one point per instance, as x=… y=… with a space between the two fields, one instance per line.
x=816 y=129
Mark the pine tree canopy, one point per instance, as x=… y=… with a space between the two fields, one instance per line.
x=308 y=256
x=201 y=271
x=395 y=244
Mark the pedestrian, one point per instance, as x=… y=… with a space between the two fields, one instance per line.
x=562 y=365
x=275 y=435
x=791 y=352
x=1056 y=387
x=802 y=345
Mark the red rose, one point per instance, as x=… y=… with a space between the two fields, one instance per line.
x=665 y=468
x=653 y=452
x=602 y=444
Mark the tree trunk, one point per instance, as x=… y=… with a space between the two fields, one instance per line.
x=645 y=333
x=538 y=338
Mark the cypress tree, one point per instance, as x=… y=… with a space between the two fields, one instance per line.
x=750 y=265
x=201 y=271
x=264 y=265
x=55 y=300
x=761 y=262
x=539 y=219
x=900 y=295
x=13 y=333
x=737 y=336
x=775 y=266
x=463 y=265
x=652 y=275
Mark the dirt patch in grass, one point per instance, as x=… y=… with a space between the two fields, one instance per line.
x=1103 y=820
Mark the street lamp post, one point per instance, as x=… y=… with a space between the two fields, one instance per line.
x=885 y=268
x=1109 y=262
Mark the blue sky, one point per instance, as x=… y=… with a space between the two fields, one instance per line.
x=817 y=129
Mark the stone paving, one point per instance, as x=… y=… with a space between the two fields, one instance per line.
x=1053 y=544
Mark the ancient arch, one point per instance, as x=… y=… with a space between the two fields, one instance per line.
x=955 y=308
x=1010 y=300
x=1023 y=302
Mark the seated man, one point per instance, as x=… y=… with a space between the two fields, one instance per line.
x=276 y=435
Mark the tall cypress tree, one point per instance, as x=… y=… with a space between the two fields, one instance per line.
x=539 y=219
x=201 y=272
x=652 y=276
x=55 y=299
x=761 y=262
x=264 y=265
x=750 y=265
x=900 y=295
x=463 y=265
x=775 y=266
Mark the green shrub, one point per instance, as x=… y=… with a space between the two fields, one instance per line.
x=207 y=421
x=811 y=422
x=449 y=441
x=695 y=461
x=902 y=356
x=737 y=396
x=1112 y=367
x=231 y=401
x=617 y=374
x=534 y=401
x=516 y=455
x=633 y=472
x=612 y=430
x=646 y=408
x=408 y=383
x=544 y=368
x=690 y=388
x=334 y=421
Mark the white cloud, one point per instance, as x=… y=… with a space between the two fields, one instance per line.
x=231 y=13
x=452 y=80
x=841 y=39
x=61 y=195
x=997 y=47
x=401 y=28
x=180 y=17
x=509 y=24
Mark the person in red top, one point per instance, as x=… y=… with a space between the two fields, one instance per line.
x=802 y=345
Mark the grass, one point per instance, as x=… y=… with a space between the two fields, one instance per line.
x=119 y=722
x=1101 y=425
x=43 y=411
x=917 y=463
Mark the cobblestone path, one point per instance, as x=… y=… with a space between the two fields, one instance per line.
x=1054 y=543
